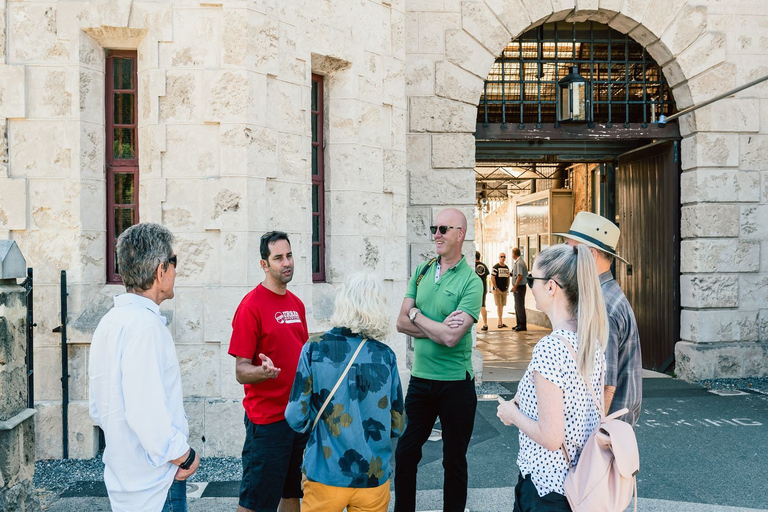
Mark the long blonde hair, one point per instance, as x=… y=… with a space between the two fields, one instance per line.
x=575 y=270
x=362 y=307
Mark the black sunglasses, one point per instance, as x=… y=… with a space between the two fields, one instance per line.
x=531 y=279
x=442 y=229
x=173 y=260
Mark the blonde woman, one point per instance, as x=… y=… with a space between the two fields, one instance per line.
x=347 y=458
x=553 y=404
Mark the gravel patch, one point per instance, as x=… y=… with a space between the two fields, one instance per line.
x=492 y=388
x=757 y=384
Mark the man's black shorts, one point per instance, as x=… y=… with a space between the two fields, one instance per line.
x=272 y=457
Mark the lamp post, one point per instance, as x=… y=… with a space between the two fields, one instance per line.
x=573 y=98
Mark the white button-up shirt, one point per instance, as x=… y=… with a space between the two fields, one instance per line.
x=136 y=399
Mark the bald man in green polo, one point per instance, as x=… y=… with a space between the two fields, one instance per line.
x=442 y=303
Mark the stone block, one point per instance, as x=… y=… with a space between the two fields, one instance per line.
x=228 y=96
x=454 y=184
x=48 y=383
x=432 y=31
x=481 y=23
x=538 y=10
x=188 y=314
x=224 y=204
x=420 y=76
x=198 y=46
x=512 y=15
x=763 y=320
x=393 y=82
x=754 y=223
x=685 y=28
x=394 y=259
x=374 y=126
x=83 y=433
x=201 y=256
x=355 y=213
x=411 y=27
x=419 y=253
x=235 y=252
x=183 y=99
x=707 y=220
x=218 y=310
x=714 y=185
x=719 y=255
x=200 y=369
x=194 y=408
x=397 y=19
x=714 y=81
x=343 y=120
x=419 y=220
x=747 y=31
x=191 y=151
x=623 y=23
x=395 y=174
x=642 y=35
x=704 y=53
x=181 y=210
x=49 y=93
x=753 y=150
x=249 y=150
x=710 y=150
x=753 y=291
x=230 y=388
x=48 y=433
x=461 y=49
x=699 y=361
x=453 y=151
x=224 y=428
x=41 y=148
x=157 y=18
x=709 y=290
x=12 y=91
x=13 y=203
x=729 y=115
x=399 y=120
x=32 y=35
x=418 y=155
x=718 y=325
x=441 y=115
x=454 y=83
x=293 y=157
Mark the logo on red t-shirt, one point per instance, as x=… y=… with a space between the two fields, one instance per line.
x=287 y=317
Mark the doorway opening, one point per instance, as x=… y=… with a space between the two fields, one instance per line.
x=535 y=171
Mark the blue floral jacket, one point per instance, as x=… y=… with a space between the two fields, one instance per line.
x=350 y=447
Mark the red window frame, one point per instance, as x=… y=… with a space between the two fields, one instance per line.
x=318 y=180
x=117 y=166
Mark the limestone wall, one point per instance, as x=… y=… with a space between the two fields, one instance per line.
x=706 y=47
x=224 y=155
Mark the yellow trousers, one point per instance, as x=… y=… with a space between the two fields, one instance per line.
x=327 y=498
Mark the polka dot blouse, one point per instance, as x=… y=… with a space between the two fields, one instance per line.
x=552 y=359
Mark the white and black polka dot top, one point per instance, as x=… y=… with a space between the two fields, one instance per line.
x=554 y=362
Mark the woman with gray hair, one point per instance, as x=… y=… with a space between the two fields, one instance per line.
x=347 y=458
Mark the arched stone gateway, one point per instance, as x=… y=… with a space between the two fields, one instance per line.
x=451 y=47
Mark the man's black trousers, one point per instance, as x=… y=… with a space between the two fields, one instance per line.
x=454 y=402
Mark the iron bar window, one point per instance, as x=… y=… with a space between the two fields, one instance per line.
x=627 y=86
x=318 y=181
x=122 y=151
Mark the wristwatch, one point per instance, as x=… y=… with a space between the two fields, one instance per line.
x=190 y=459
x=413 y=314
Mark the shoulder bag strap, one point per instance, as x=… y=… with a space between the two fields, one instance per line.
x=424 y=271
x=338 y=383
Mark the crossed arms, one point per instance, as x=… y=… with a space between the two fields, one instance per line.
x=448 y=332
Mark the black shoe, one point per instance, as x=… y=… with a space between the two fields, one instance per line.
x=515 y=328
x=484 y=328
x=521 y=329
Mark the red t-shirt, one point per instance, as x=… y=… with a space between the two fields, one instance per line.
x=276 y=326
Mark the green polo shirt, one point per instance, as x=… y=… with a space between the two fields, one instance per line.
x=458 y=288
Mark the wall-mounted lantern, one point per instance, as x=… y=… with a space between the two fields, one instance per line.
x=573 y=98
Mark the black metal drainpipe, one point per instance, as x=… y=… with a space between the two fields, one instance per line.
x=28 y=284
x=64 y=368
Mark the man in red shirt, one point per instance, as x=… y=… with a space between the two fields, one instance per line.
x=268 y=331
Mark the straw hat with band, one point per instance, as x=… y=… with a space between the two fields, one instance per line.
x=595 y=231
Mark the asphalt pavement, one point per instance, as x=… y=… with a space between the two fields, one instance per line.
x=699 y=452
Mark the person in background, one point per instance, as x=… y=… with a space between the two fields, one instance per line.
x=519 y=277
x=347 y=459
x=134 y=386
x=553 y=405
x=623 y=357
x=482 y=272
x=500 y=282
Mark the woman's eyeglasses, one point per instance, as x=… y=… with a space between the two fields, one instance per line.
x=443 y=229
x=531 y=279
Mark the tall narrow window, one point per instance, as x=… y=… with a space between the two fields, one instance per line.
x=122 y=151
x=318 y=182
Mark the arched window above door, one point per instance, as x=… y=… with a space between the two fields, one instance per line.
x=626 y=85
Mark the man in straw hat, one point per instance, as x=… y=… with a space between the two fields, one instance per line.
x=624 y=365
